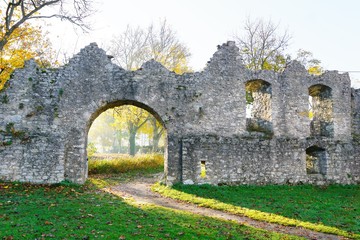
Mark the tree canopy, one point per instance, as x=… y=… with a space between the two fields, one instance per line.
x=26 y=42
x=16 y=13
x=137 y=45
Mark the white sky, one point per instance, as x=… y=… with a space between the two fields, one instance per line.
x=328 y=28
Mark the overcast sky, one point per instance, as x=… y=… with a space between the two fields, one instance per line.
x=328 y=28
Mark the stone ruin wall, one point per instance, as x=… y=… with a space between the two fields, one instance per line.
x=45 y=115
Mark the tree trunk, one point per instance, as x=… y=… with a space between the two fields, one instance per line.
x=156 y=139
x=119 y=138
x=2 y=44
x=157 y=132
x=132 y=144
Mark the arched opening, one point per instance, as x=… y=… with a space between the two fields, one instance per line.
x=258 y=106
x=126 y=136
x=321 y=111
x=316 y=160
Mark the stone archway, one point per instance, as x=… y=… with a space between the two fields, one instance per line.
x=99 y=93
x=136 y=104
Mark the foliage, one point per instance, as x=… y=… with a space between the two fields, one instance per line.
x=124 y=163
x=334 y=209
x=68 y=211
x=135 y=46
x=130 y=117
x=18 y=13
x=26 y=42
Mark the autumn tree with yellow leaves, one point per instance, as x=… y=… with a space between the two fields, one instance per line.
x=132 y=119
x=26 y=42
x=16 y=13
x=21 y=39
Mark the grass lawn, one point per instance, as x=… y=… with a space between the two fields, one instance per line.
x=333 y=209
x=67 y=211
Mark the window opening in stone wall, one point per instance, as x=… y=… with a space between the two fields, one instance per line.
x=316 y=160
x=321 y=111
x=202 y=169
x=258 y=106
x=124 y=139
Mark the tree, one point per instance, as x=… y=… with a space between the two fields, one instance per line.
x=19 y=12
x=132 y=118
x=135 y=46
x=167 y=49
x=26 y=42
x=262 y=47
x=311 y=64
x=155 y=130
x=129 y=48
x=20 y=40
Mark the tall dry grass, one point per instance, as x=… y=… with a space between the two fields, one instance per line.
x=120 y=163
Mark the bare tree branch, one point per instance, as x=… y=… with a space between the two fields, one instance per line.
x=135 y=46
x=21 y=11
x=261 y=45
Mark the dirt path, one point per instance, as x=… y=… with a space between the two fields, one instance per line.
x=139 y=191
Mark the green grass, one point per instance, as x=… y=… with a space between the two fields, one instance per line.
x=122 y=163
x=106 y=180
x=334 y=209
x=69 y=211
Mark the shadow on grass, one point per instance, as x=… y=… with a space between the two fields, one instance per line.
x=85 y=212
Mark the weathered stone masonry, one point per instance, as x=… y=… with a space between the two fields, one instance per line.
x=45 y=115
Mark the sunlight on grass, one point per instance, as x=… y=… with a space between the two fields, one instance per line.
x=254 y=214
x=108 y=164
x=334 y=205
